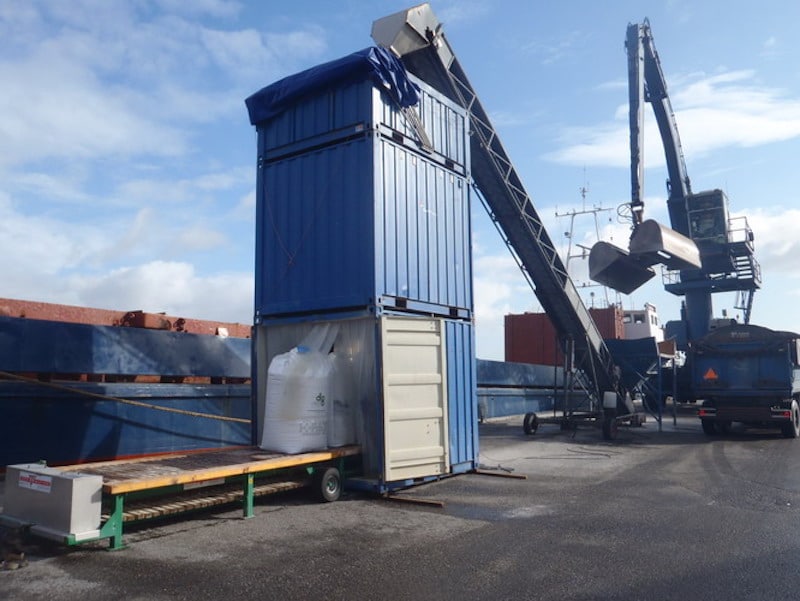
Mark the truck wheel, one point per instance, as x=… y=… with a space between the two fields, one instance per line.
x=792 y=429
x=610 y=428
x=328 y=484
x=531 y=423
x=709 y=427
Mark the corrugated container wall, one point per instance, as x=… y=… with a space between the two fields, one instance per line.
x=353 y=213
x=462 y=395
x=531 y=337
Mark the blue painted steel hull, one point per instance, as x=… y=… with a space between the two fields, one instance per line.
x=58 y=422
x=41 y=424
x=516 y=388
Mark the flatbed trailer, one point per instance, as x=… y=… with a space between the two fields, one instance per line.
x=75 y=504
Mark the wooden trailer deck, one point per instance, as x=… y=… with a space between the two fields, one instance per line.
x=145 y=488
x=130 y=475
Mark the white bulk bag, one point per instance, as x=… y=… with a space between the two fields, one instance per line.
x=296 y=406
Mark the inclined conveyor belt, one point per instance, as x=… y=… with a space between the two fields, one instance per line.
x=419 y=41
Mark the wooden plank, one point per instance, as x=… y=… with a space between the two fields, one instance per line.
x=129 y=475
x=95 y=465
x=199 y=499
x=160 y=475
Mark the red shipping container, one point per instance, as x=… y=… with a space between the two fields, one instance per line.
x=531 y=337
x=609 y=321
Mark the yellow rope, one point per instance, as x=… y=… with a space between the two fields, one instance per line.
x=125 y=401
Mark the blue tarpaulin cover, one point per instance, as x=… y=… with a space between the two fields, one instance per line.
x=382 y=66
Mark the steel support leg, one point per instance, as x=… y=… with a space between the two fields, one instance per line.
x=112 y=529
x=248 y=495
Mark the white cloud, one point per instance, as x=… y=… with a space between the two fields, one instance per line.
x=554 y=49
x=233 y=49
x=246 y=207
x=727 y=109
x=199 y=237
x=108 y=80
x=463 y=11
x=500 y=289
x=213 y=8
x=770 y=47
x=171 y=287
x=53 y=186
x=55 y=108
x=37 y=248
x=198 y=189
x=776 y=243
x=604 y=145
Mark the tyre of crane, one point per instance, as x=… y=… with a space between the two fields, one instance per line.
x=530 y=424
x=791 y=429
x=709 y=427
x=327 y=484
x=610 y=428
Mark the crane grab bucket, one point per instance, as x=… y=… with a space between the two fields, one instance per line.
x=613 y=267
x=653 y=243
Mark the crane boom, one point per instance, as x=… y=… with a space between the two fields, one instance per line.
x=646 y=82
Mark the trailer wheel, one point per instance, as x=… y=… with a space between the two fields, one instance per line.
x=531 y=423
x=709 y=427
x=610 y=428
x=328 y=484
x=792 y=429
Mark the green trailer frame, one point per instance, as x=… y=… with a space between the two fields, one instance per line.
x=139 y=489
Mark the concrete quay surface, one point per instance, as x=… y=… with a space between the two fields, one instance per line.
x=651 y=516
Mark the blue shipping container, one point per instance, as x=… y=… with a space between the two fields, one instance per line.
x=462 y=396
x=349 y=108
x=352 y=214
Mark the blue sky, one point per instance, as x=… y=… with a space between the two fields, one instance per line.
x=127 y=163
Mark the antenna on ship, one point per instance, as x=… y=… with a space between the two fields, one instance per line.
x=576 y=250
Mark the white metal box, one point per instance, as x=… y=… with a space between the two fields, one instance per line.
x=56 y=502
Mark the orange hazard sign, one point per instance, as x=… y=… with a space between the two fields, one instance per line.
x=711 y=374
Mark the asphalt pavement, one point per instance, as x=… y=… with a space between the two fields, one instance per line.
x=651 y=516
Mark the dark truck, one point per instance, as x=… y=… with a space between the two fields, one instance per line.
x=748 y=374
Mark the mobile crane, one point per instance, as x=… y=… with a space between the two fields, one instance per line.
x=698 y=219
x=738 y=372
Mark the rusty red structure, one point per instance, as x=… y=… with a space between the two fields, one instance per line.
x=106 y=317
